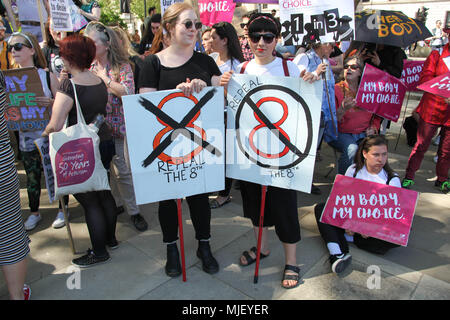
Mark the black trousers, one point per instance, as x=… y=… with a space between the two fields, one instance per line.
x=200 y=215
x=334 y=234
x=226 y=192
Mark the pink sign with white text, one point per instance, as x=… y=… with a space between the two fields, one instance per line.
x=439 y=86
x=380 y=93
x=373 y=209
x=411 y=74
x=214 y=11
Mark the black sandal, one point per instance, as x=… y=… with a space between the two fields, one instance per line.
x=214 y=204
x=249 y=259
x=294 y=277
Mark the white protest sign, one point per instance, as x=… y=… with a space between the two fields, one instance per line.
x=60 y=14
x=43 y=147
x=175 y=143
x=330 y=20
x=167 y=3
x=272 y=130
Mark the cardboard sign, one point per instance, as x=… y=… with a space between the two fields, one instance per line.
x=167 y=3
x=439 y=86
x=374 y=209
x=23 y=113
x=380 y=93
x=213 y=11
x=60 y=15
x=411 y=74
x=42 y=145
x=272 y=130
x=177 y=143
x=302 y=19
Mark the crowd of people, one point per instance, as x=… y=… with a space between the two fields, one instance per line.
x=98 y=66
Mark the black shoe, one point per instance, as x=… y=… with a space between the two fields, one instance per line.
x=173 y=265
x=114 y=245
x=209 y=263
x=90 y=259
x=315 y=190
x=139 y=222
x=120 y=210
x=340 y=262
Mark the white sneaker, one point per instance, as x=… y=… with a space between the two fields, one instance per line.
x=32 y=221
x=59 y=220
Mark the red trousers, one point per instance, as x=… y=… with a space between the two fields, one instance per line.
x=425 y=133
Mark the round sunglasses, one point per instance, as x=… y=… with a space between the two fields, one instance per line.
x=17 y=46
x=189 y=23
x=267 y=37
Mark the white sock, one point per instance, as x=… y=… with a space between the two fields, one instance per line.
x=349 y=238
x=334 y=248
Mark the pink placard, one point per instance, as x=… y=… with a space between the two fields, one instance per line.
x=380 y=93
x=377 y=210
x=411 y=74
x=213 y=11
x=439 y=86
x=75 y=162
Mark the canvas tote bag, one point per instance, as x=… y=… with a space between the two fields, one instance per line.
x=75 y=158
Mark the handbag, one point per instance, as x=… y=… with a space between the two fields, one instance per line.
x=75 y=157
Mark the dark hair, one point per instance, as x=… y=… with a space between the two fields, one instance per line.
x=50 y=41
x=151 y=9
x=365 y=145
x=226 y=30
x=264 y=21
x=156 y=18
x=206 y=30
x=79 y=51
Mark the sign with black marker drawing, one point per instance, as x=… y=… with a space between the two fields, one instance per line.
x=177 y=143
x=272 y=128
x=23 y=113
x=42 y=144
x=60 y=15
x=305 y=20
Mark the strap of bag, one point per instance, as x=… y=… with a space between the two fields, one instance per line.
x=244 y=66
x=285 y=68
x=80 y=118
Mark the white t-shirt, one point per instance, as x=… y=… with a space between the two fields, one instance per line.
x=227 y=66
x=274 y=68
x=301 y=61
x=379 y=178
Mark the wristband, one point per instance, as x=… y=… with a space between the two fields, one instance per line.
x=108 y=83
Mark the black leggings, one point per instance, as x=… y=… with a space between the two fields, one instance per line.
x=100 y=214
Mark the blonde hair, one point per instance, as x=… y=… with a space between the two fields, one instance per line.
x=125 y=39
x=172 y=13
x=38 y=57
x=117 y=54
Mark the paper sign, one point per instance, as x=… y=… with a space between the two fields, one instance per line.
x=23 y=113
x=374 y=209
x=331 y=20
x=177 y=143
x=167 y=3
x=411 y=74
x=213 y=11
x=60 y=14
x=43 y=147
x=439 y=86
x=272 y=129
x=380 y=93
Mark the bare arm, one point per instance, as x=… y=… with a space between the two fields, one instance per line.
x=61 y=107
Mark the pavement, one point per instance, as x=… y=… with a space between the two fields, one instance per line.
x=420 y=271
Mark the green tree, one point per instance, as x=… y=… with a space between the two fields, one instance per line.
x=111 y=13
x=137 y=7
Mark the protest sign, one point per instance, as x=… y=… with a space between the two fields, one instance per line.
x=369 y=208
x=177 y=143
x=439 y=86
x=23 y=113
x=213 y=11
x=60 y=15
x=167 y=3
x=380 y=93
x=272 y=129
x=304 y=20
x=411 y=74
x=43 y=147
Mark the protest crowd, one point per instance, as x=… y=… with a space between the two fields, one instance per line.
x=87 y=75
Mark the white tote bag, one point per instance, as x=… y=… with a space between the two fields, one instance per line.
x=75 y=158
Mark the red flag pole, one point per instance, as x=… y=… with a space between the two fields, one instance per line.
x=261 y=220
x=180 y=226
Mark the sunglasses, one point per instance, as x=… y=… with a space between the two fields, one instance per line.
x=17 y=46
x=189 y=23
x=243 y=25
x=351 y=66
x=267 y=37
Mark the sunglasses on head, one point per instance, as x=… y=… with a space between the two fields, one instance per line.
x=17 y=46
x=189 y=23
x=267 y=37
x=243 y=25
x=351 y=66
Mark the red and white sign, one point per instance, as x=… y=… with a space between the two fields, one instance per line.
x=213 y=11
x=377 y=210
x=380 y=93
x=439 y=86
x=411 y=74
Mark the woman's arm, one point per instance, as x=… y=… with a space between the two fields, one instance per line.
x=144 y=90
x=94 y=15
x=61 y=107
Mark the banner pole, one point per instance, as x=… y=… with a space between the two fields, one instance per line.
x=261 y=220
x=180 y=226
x=324 y=77
x=66 y=220
x=403 y=121
x=41 y=19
